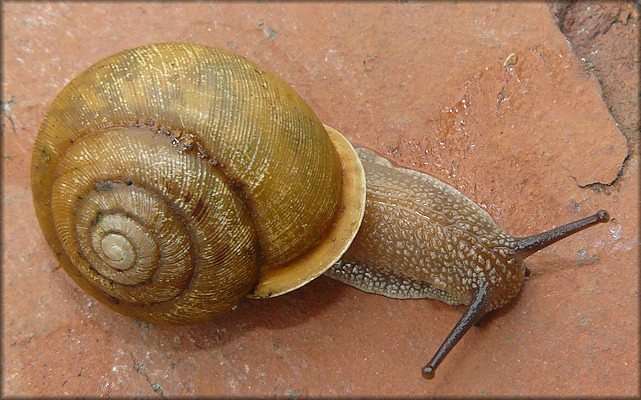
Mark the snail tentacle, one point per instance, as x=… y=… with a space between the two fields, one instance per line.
x=472 y=314
x=531 y=244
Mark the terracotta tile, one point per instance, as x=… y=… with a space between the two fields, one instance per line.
x=533 y=143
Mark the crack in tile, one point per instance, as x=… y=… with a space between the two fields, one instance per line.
x=600 y=186
x=140 y=368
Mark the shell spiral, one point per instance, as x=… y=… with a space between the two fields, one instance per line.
x=171 y=179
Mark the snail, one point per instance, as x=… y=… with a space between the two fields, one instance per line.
x=174 y=179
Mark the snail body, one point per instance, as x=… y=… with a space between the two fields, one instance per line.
x=174 y=179
x=447 y=245
x=421 y=238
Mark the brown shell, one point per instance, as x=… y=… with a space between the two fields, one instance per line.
x=171 y=179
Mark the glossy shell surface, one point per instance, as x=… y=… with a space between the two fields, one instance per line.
x=171 y=179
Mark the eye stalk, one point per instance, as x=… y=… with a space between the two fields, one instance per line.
x=472 y=314
x=526 y=246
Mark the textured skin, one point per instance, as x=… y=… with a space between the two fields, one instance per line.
x=422 y=238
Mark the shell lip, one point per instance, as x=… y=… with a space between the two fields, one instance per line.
x=347 y=222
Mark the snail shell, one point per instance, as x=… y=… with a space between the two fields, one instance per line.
x=173 y=179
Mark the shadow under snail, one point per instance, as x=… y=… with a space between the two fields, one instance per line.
x=173 y=180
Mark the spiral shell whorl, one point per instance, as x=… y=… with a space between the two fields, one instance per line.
x=163 y=171
x=167 y=235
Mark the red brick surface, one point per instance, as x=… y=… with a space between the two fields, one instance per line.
x=534 y=143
